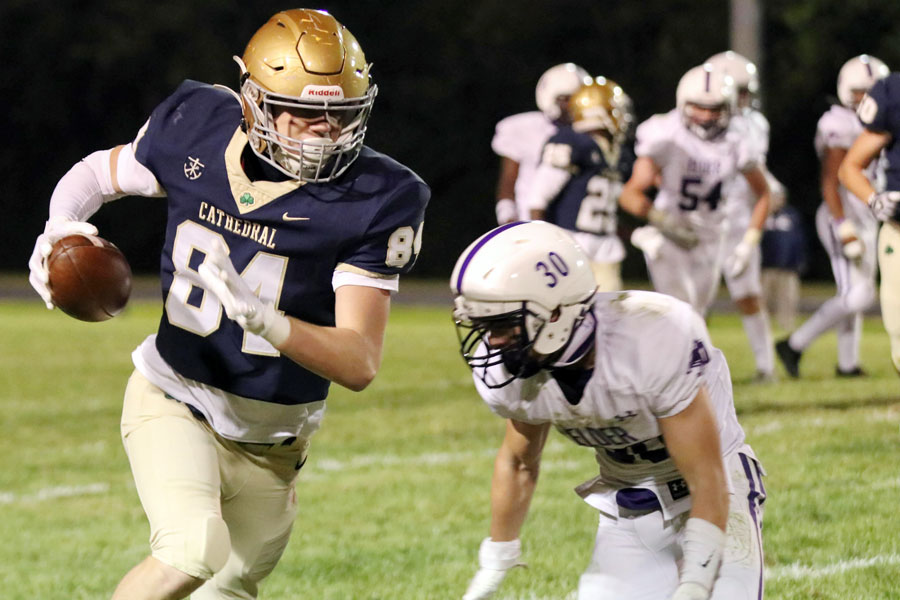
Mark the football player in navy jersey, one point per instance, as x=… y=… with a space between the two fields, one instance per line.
x=879 y=112
x=279 y=217
x=583 y=167
x=519 y=139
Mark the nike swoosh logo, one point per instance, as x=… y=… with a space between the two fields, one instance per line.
x=287 y=217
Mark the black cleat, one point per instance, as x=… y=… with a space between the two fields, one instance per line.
x=854 y=372
x=790 y=358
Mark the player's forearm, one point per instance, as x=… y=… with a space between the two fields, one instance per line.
x=709 y=498
x=341 y=355
x=760 y=212
x=634 y=201
x=853 y=178
x=512 y=488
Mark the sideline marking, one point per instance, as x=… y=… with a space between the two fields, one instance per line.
x=50 y=493
x=798 y=571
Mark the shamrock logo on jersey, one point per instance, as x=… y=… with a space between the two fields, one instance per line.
x=246 y=199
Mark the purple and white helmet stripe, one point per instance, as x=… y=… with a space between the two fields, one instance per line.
x=480 y=244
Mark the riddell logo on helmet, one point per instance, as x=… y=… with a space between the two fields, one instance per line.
x=323 y=91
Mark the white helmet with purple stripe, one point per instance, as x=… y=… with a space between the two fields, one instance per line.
x=705 y=97
x=856 y=77
x=521 y=291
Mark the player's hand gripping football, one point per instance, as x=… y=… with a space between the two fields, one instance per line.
x=55 y=229
x=885 y=205
x=494 y=559
x=673 y=228
x=241 y=304
x=851 y=245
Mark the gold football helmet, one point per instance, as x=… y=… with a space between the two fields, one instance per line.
x=601 y=105
x=305 y=61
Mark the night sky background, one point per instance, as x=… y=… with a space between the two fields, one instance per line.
x=83 y=76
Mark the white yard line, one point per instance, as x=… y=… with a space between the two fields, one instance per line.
x=50 y=493
x=797 y=571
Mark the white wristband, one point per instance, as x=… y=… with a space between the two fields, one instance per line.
x=506 y=211
x=499 y=556
x=278 y=327
x=703 y=546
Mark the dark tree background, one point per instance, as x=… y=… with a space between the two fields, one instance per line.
x=83 y=76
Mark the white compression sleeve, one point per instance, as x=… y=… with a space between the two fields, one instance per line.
x=94 y=181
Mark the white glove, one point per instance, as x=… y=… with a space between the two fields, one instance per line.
x=690 y=591
x=648 y=239
x=673 y=228
x=739 y=260
x=884 y=205
x=506 y=211
x=851 y=245
x=494 y=559
x=702 y=546
x=55 y=229
x=241 y=304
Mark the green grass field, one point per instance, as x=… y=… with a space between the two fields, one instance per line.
x=394 y=498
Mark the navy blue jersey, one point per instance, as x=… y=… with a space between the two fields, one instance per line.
x=285 y=239
x=589 y=200
x=783 y=242
x=880 y=112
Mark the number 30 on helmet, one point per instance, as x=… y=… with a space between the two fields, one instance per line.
x=521 y=291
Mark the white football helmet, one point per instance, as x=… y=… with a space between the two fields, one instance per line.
x=528 y=280
x=306 y=62
x=742 y=71
x=857 y=75
x=561 y=80
x=702 y=89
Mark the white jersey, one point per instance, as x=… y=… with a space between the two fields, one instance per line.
x=521 y=137
x=839 y=127
x=653 y=354
x=694 y=170
x=740 y=196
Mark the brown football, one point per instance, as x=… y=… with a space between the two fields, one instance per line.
x=90 y=279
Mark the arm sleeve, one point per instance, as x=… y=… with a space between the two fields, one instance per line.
x=548 y=182
x=93 y=181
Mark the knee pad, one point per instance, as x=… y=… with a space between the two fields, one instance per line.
x=208 y=544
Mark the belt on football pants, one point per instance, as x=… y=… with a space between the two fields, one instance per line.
x=637 y=502
x=251 y=446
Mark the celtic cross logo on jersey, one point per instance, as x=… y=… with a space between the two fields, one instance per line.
x=246 y=199
x=193 y=168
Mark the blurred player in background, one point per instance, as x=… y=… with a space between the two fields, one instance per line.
x=783 y=249
x=879 y=112
x=579 y=180
x=631 y=375
x=279 y=215
x=846 y=227
x=746 y=288
x=519 y=139
x=690 y=153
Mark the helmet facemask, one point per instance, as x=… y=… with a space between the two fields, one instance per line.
x=706 y=129
x=316 y=159
x=533 y=337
